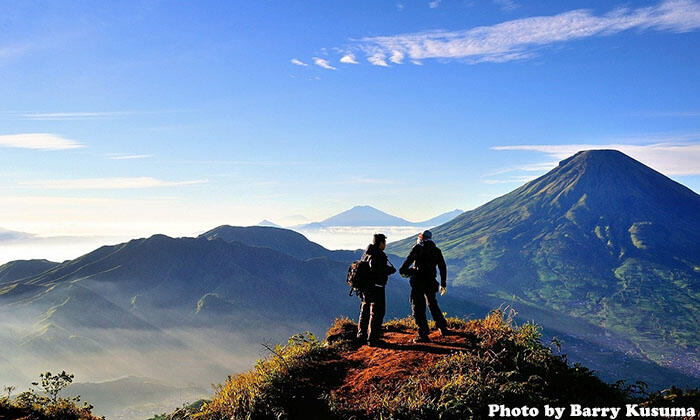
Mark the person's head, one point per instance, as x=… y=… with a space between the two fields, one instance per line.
x=426 y=235
x=379 y=240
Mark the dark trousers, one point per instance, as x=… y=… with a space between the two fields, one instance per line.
x=419 y=297
x=372 y=314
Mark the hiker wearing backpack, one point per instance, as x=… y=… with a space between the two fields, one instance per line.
x=420 y=266
x=373 y=305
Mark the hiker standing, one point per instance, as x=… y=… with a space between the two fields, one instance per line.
x=420 y=266
x=373 y=298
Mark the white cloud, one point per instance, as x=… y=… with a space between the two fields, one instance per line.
x=354 y=237
x=128 y=157
x=51 y=116
x=507 y=5
x=667 y=158
x=349 y=59
x=434 y=4
x=511 y=180
x=298 y=62
x=142 y=215
x=323 y=63
x=533 y=167
x=396 y=57
x=378 y=60
x=11 y=51
x=11 y=235
x=106 y=183
x=38 y=141
x=519 y=38
x=400 y=7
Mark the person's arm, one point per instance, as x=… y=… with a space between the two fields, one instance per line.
x=378 y=264
x=443 y=269
x=390 y=269
x=405 y=269
x=374 y=266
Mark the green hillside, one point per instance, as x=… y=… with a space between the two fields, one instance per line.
x=602 y=239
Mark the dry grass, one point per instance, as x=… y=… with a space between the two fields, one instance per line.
x=486 y=361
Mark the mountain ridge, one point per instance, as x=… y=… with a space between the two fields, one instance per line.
x=366 y=216
x=19 y=269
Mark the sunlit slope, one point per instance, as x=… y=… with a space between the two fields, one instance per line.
x=602 y=238
x=20 y=269
x=282 y=240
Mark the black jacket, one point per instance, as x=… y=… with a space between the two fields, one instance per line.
x=425 y=257
x=378 y=264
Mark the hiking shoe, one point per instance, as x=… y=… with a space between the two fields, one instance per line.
x=421 y=340
x=444 y=332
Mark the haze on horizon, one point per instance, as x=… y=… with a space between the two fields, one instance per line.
x=122 y=121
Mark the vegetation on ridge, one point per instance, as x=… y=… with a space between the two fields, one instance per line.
x=486 y=361
x=45 y=402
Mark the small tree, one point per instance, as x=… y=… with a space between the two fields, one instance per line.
x=9 y=390
x=54 y=384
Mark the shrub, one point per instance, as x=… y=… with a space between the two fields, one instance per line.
x=46 y=403
x=288 y=384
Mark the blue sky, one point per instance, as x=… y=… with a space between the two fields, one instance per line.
x=142 y=117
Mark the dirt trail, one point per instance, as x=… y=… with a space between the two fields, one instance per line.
x=378 y=369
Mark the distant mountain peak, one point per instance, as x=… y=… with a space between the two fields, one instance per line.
x=598 y=154
x=440 y=219
x=597 y=157
x=267 y=223
x=604 y=183
x=365 y=215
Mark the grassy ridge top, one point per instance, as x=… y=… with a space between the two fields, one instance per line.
x=486 y=361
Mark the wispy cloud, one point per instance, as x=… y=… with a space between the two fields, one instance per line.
x=434 y=4
x=396 y=57
x=510 y=180
x=106 y=183
x=362 y=180
x=349 y=59
x=378 y=59
x=298 y=62
x=520 y=38
x=10 y=51
x=534 y=167
x=38 y=141
x=11 y=235
x=129 y=157
x=668 y=158
x=52 y=116
x=373 y=181
x=323 y=63
x=247 y=162
x=507 y=5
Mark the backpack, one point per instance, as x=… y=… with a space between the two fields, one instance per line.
x=426 y=260
x=359 y=277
